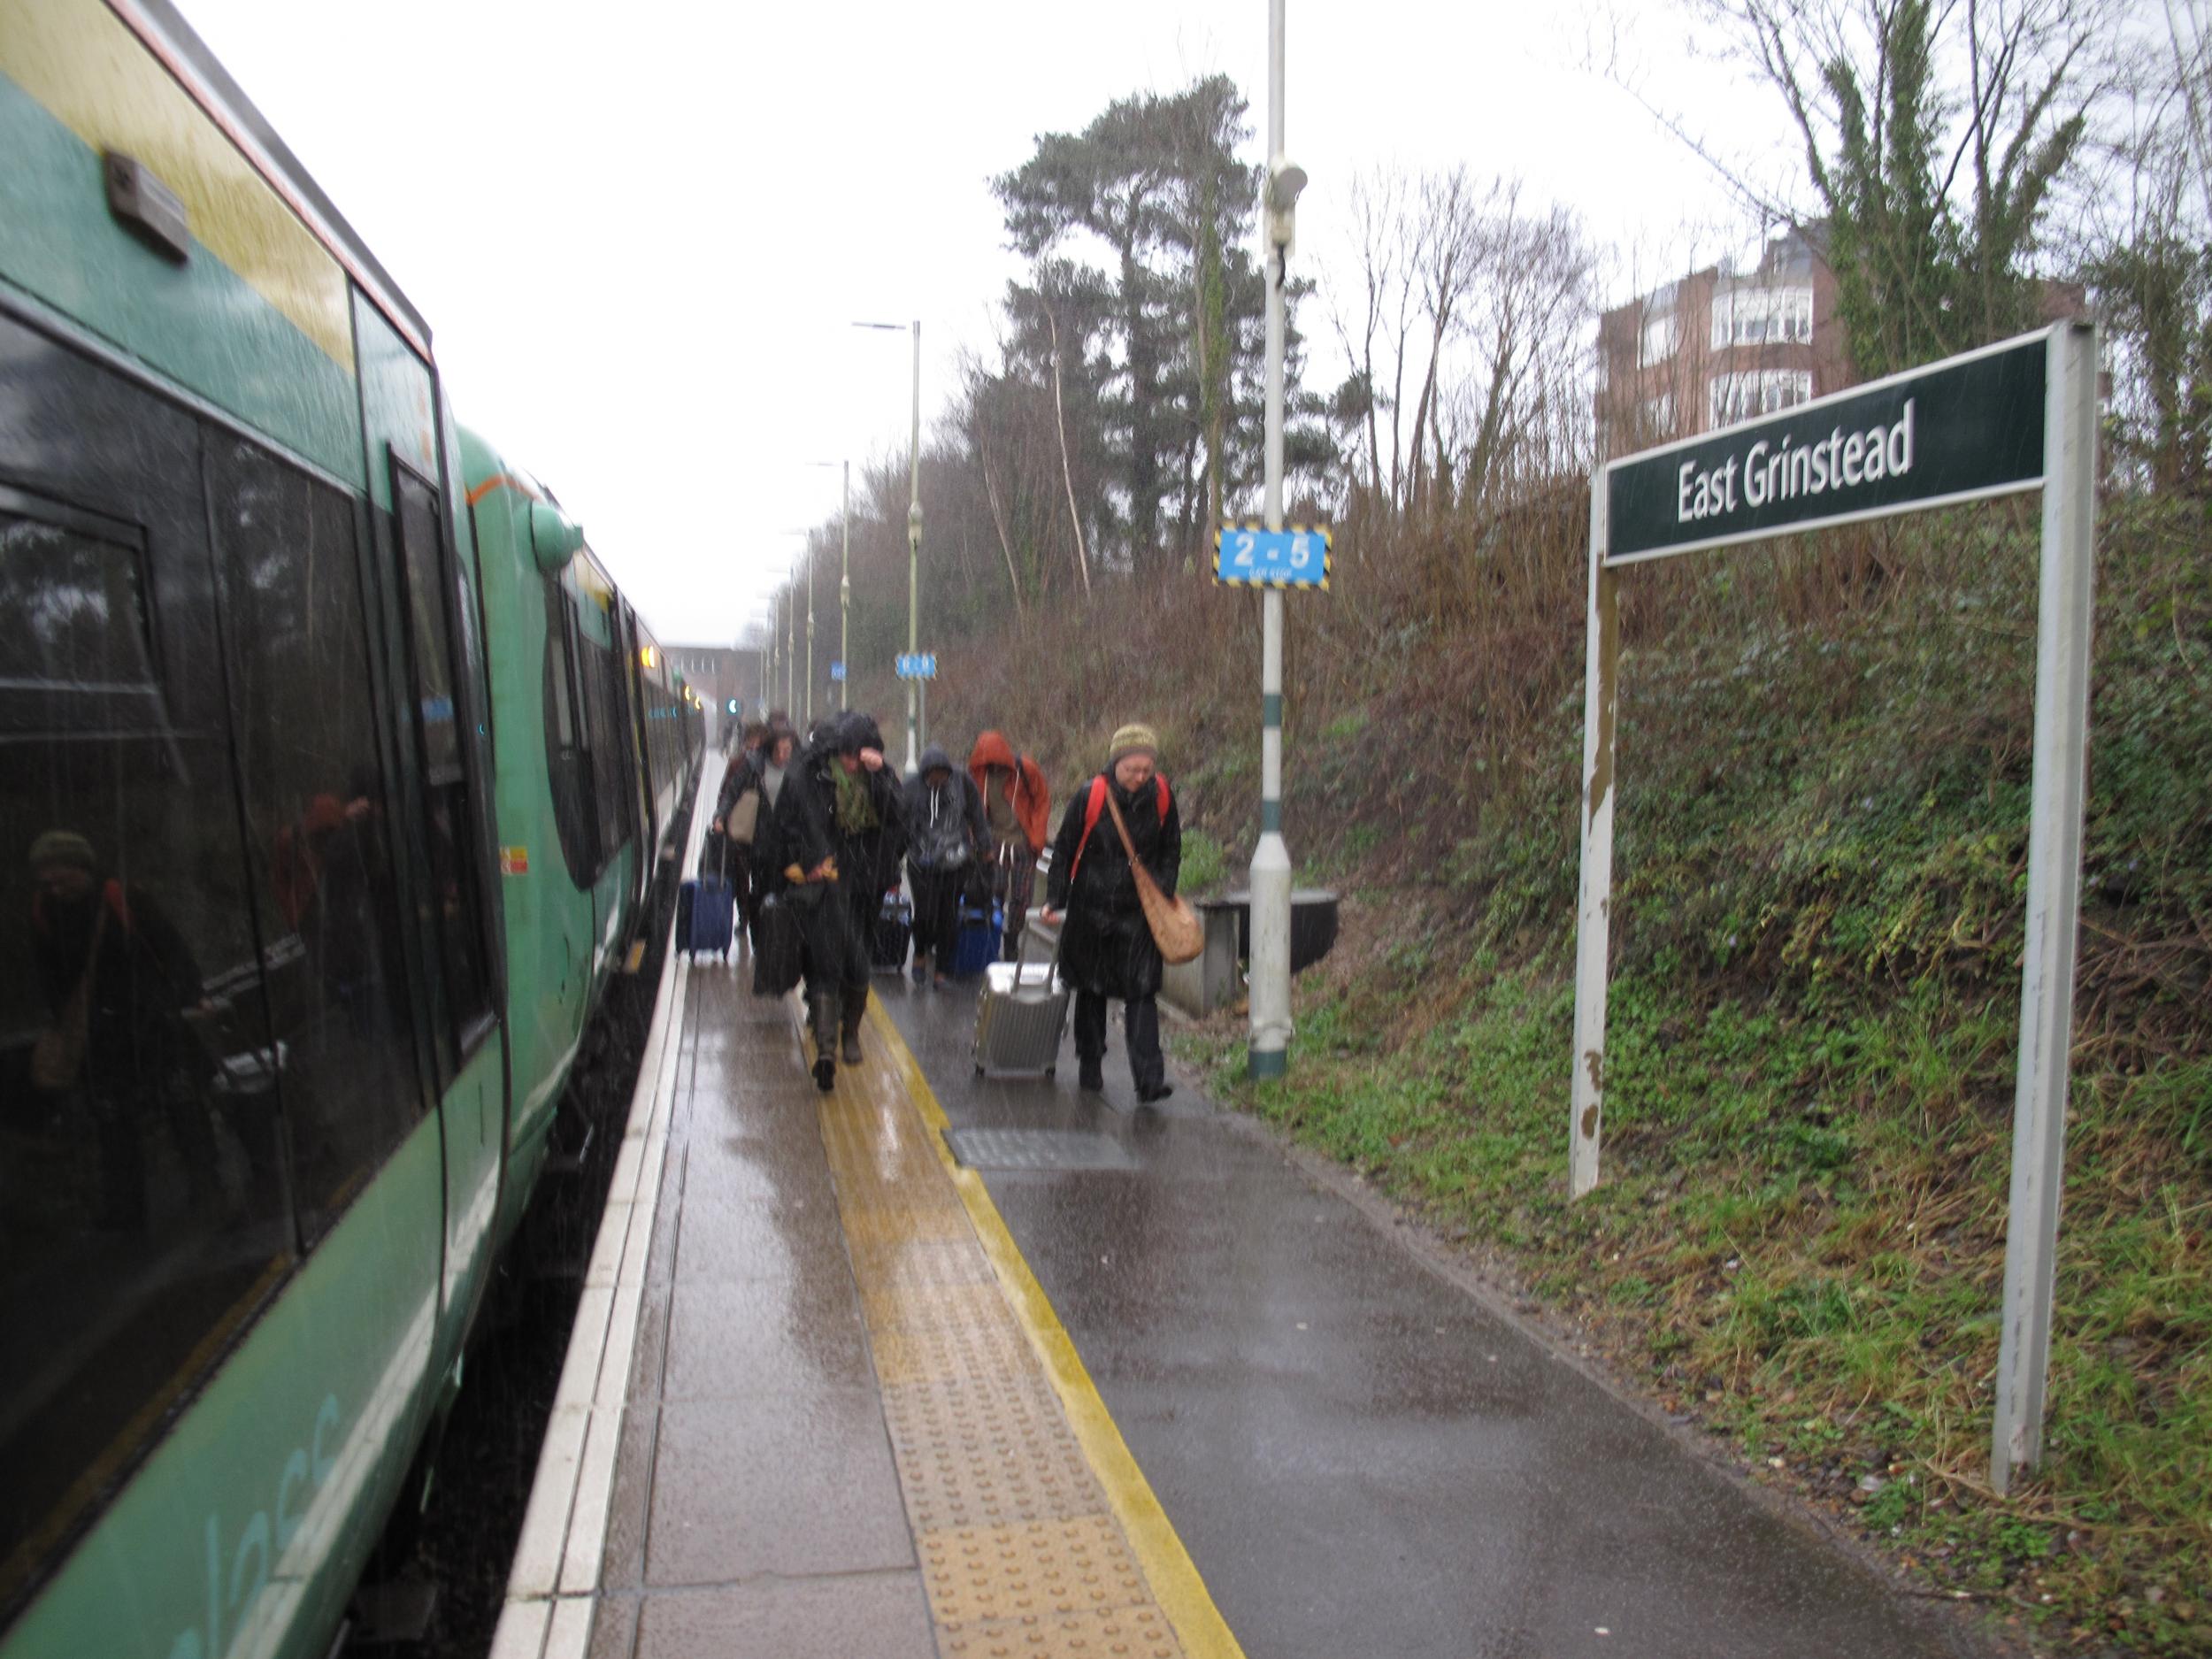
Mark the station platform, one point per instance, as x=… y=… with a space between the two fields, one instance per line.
x=937 y=1365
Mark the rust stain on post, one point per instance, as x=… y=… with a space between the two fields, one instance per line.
x=1601 y=780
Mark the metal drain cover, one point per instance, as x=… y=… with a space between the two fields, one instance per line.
x=1038 y=1150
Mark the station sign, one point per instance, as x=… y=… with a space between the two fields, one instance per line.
x=1969 y=427
x=1252 y=555
x=2017 y=416
x=917 y=664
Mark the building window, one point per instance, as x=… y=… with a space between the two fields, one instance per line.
x=1662 y=334
x=1734 y=397
x=1762 y=315
x=1658 y=415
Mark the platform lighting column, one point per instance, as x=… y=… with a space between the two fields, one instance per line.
x=845 y=593
x=913 y=554
x=810 y=630
x=1268 y=1055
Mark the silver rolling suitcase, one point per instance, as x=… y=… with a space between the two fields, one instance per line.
x=1018 y=1019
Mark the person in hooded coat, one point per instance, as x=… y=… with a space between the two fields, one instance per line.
x=946 y=838
x=1017 y=808
x=840 y=833
x=1106 y=946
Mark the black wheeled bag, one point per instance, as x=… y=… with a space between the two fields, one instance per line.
x=893 y=934
x=779 y=949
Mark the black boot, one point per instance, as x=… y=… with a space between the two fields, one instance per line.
x=823 y=1008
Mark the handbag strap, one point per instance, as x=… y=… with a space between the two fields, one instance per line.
x=1127 y=845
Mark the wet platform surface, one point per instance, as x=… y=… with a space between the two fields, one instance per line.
x=1106 y=1381
x=1359 y=1457
x=841 y=1437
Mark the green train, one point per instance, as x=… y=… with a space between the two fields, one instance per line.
x=337 y=778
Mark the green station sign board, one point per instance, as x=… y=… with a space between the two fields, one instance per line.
x=1969 y=427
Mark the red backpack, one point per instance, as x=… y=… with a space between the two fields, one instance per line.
x=1096 y=805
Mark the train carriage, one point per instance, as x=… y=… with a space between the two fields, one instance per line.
x=294 y=958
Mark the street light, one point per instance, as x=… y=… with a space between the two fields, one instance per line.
x=844 y=586
x=913 y=552
x=793 y=696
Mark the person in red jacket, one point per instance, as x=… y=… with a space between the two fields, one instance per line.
x=1017 y=806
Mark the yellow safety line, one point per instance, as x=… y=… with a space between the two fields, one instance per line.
x=1167 y=1566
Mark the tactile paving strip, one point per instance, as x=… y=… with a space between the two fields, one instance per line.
x=1140 y=1632
x=1053 y=1149
x=1021 y=1553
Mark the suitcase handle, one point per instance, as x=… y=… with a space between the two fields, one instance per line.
x=1052 y=967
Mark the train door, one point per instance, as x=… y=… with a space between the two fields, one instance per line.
x=435 y=705
x=634 y=680
x=145 y=1210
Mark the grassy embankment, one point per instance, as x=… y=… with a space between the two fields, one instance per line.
x=1821 y=858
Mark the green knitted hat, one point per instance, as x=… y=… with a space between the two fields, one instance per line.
x=1134 y=740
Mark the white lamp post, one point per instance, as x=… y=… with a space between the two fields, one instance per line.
x=913 y=552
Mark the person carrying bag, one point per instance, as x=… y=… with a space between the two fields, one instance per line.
x=1099 y=884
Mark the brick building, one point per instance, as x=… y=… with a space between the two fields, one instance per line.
x=1717 y=347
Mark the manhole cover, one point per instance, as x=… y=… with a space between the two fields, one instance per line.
x=1038 y=1150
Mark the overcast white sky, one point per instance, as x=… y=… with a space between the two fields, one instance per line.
x=640 y=231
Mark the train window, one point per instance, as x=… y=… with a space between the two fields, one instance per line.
x=142 y=1203
x=319 y=830
x=565 y=767
x=452 y=904
x=611 y=774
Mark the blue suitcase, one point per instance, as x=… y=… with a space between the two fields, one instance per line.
x=704 y=911
x=975 y=942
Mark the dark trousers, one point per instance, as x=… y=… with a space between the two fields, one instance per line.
x=937 y=913
x=1013 y=880
x=1141 y=1026
x=738 y=863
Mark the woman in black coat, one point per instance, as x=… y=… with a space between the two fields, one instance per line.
x=1106 y=946
x=840 y=833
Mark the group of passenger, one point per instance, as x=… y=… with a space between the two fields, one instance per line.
x=822 y=827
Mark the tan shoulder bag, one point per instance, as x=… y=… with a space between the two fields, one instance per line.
x=1175 y=927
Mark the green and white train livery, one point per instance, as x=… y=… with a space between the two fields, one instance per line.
x=337 y=778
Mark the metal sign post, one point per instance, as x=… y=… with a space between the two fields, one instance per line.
x=1268 y=1053
x=2046 y=975
x=2017 y=416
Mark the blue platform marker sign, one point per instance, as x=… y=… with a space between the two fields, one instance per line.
x=917 y=664
x=1250 y=556
x=837 y=671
